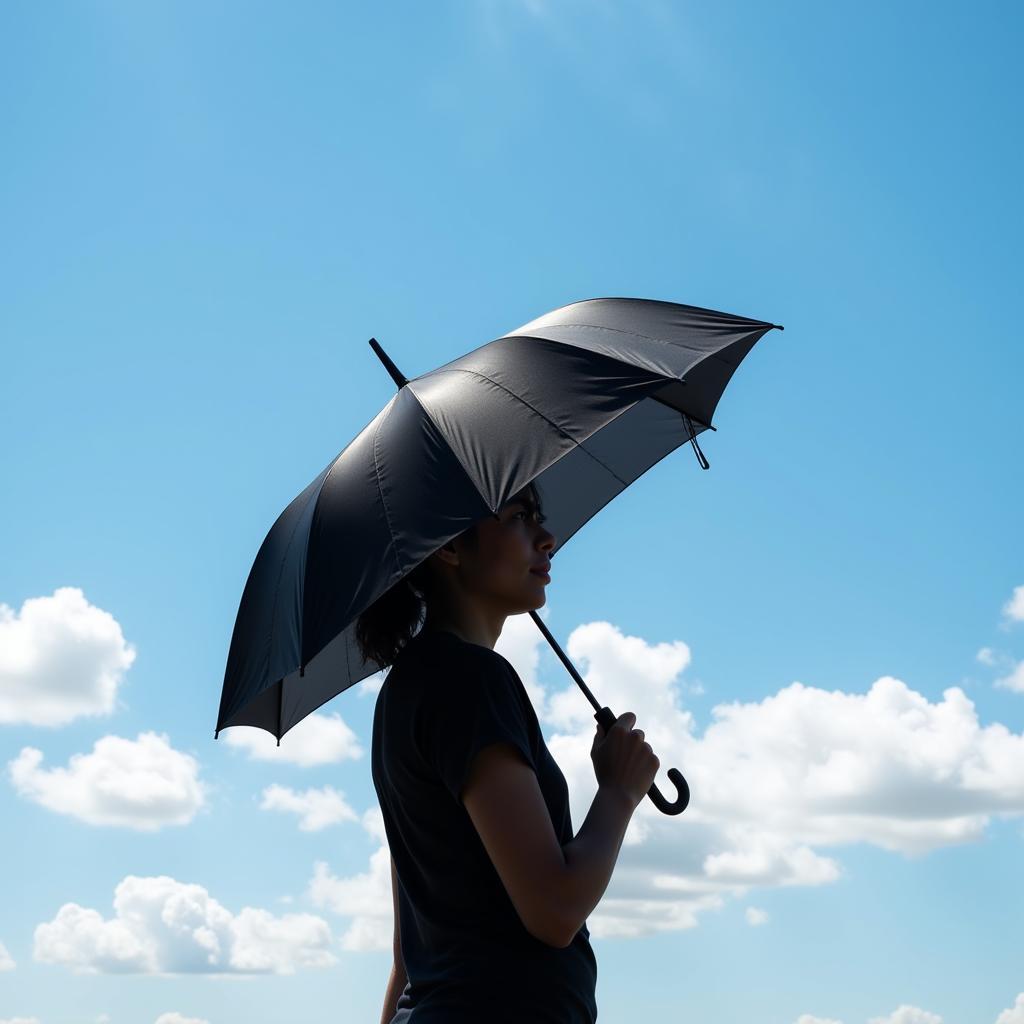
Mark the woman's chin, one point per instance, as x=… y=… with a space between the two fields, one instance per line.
x=527 y=602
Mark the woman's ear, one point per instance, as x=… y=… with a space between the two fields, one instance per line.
x=446 y=553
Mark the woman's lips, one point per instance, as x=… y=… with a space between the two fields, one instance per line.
x=542 y=574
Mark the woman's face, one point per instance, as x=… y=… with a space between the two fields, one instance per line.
x=499 y=567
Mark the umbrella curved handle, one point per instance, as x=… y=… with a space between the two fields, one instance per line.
x=606 y=718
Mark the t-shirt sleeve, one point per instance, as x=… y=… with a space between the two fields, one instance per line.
x=475 y=704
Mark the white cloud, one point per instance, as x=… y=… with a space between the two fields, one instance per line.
x=19 y=1020
x=1015 y=1014
x=766 y=859
x=756 y=916
x=317 y=808
x=177 y=1018
x=987 y=656
x=889 y=767
x=317 y=739
x=1013 y=610
x=6 y=960
x=162 y=926
x=1014 y=681
x=366 y=898
x=908 y=1015
x=143 y=784
x=806 y=1018
x=60 y=658
x=370 y=686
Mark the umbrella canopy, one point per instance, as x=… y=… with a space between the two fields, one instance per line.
x=582 y=401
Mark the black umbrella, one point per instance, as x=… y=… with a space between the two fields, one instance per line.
x=582 y=401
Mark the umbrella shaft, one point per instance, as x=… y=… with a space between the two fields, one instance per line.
x=565 y=660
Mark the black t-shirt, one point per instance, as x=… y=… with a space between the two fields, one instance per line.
x=467 y=954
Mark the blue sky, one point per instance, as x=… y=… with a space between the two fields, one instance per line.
x=208 y=209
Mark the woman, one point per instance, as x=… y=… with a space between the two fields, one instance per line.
x=491 y=889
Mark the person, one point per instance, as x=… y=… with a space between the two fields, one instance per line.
x=491 y=889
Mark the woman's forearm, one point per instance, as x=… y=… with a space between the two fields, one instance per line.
x=590 y=856
x=396 y=985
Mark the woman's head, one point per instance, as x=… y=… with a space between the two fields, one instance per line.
x=481 y=576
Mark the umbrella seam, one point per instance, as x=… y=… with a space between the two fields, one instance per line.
x=454 y=453
x=564 y=433
x=380 y=491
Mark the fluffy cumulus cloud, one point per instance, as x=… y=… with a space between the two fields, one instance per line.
x=908 y=1015
x=177 y=1018
x=316 y=808
x=1013 y=1015
x=318 y=739
x=825 y=768
x=778 y=785
x=163 y=926
x=6 y=960
x=143 y=784
x=364 y=898
x=60 y=658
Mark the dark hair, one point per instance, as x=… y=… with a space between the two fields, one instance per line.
x=387 y=625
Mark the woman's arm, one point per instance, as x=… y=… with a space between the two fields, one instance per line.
x=553 y=888
x=590 y=857
x=396 y=985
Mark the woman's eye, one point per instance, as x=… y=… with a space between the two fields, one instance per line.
x=540 y=518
